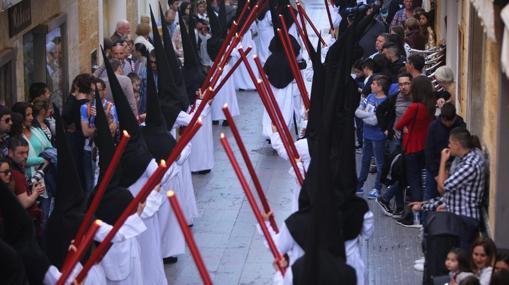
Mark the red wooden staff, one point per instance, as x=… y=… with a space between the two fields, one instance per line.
x=189 y=238
x=98 y=196
x=302 y=20
x=80 y=251
x=290 y=55
x=301 y=10
x=275 y=116
x=299 y=28
x=328 y=14
x=250 y=168
x=153 y=180
x=252 y=202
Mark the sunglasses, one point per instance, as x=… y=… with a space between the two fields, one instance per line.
x=5 y=172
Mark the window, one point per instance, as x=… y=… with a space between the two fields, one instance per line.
x=8 y=77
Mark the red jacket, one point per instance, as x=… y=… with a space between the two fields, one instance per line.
x=417 y=120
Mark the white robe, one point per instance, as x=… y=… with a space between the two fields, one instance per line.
x=227 y=95
x=188 y=199
x=202 y=156
x=172 y=239
x=303 y=151
x=150 y=240
x=241 y=75
x=122 y=263
x=265 y=35
x=284 y=98
x=95 y=275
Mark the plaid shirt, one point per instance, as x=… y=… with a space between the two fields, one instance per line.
x=399 y=18
x=464 y=189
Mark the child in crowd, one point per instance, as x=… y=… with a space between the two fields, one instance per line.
x=483 y=258
x=136 y=81
x=458 y=265
x=502 y=262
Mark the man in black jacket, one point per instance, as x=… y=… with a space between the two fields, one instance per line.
x=436 y=141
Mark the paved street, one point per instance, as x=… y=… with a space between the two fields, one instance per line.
x=233 y=250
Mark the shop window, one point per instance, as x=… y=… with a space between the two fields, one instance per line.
x=8 y=77
x=45 y=58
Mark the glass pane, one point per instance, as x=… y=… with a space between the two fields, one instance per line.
x=28 y=60
x=55 y=65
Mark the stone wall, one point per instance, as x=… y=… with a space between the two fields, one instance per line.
x=88 y=33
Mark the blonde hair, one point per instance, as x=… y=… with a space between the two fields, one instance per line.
x=143 y=28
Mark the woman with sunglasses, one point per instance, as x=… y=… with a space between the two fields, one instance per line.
x=6 y=174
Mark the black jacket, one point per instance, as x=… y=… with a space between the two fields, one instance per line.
x=386 y=115
x=438 y=139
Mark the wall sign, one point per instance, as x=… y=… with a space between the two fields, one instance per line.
x=20 y=17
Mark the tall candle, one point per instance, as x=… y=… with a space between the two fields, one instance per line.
x=80 y=251
x=299 y=29
x=252 y=202
x=250 y=167
x=195 y=252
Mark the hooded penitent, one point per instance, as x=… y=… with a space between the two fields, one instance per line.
x=68 y=212
x=332 y=171
x=136 y=155
x=217 y=27
x=175 y=64
x=18 y=247
x=171 y=102
x=115 y=198
x=277 y=67
x=159 y=141
x=192 y=69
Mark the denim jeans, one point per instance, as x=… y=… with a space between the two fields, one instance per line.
x=394 y=191
x=414 y=163
x=431 y=190
x=358 y=130
x=88 y=171
x=369 y=149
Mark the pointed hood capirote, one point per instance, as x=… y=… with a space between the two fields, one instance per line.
x=68 y=212
x=171 y=101
x=159 y=141
x=19 y=236
x=115 y=198
x=192 y=70
x=136 y=155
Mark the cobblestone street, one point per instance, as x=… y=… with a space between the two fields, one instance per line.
x=225 y=232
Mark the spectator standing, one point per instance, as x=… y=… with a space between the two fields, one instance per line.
x=374 y=138
x=445 y=78
x=403 y=14
x=143 y=30
x=395 y=61
x=436 y=141
x=5 y=128
x=37 y=140
x=41 y=112
x=125 y=84
x=414 y=125
x=413 y=35
x=39 y=89
x=87 y=118
x=484 y=253
x=170 y=16
x=424 y=23
x=27 y=196
x=123 y=29
x=380 y=41
x=388 y=113
x=415 y=65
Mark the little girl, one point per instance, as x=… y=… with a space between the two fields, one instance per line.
x=484 y=252
x=458 y=265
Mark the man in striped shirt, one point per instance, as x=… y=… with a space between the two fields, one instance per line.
x=463 y=190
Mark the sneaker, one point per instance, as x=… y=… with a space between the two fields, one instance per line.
x=373 y=194
x=397 y=214
x=215 y=123
x=420 y=260
x=386 y=208
x=170 y=260
x=408 y=223
x=419 y=267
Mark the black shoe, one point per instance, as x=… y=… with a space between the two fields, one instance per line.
x=397 y=214
x=225 y=123
x=268 y=141
x=215 y=123
x=170 y=260
x=407 y=222
x=201 y=172
x=386 y=208
x=191 y=225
